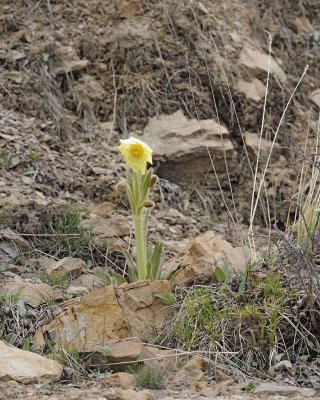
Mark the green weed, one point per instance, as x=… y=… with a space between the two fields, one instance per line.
x=6 y=217
x=56 y=281
x=5 y=159
x=149 y=376
x=68 y=355
x=70 y=238
x=247 y=324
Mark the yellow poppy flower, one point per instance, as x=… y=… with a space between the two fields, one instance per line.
x=136 y=154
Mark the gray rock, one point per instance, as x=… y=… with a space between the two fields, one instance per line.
x=258 y=62
x=268 y=388
x=26 y=367
x=182 y=145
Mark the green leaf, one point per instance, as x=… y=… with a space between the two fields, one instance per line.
x=21 y=308
x=250 y=386
x=172 y=271
x=157 y=261
x=105 y=350
x=118 y=279
x=316 y=36
x=10 y=338
x=26 y=344
x=131 y=266
x=137 y=357
x=220 y=274
x=149 y=270
x=167 y=297
x=145 y=226
x=145 y=183
x=130 y=191
x=103 y=276
x=15 y=297
x=243 y=283
x=45 y=57
x=271 y=372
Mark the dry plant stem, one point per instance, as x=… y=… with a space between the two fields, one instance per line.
x=254 y=210
x=253 y=247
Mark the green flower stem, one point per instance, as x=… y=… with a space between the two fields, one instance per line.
x=138 y=197
x=140 y=246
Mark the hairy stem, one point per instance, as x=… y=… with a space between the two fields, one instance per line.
x=140 y=246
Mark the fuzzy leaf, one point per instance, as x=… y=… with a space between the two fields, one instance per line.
x=157 y=261
x=149 y=270
x=21 y=308
x=118 y=279
x=145 y=183
x=103 y=276
x=172 y=271
x=167 y=297
x=131 y=265
x=220 y=274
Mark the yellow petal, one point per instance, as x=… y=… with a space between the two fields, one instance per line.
x=136 y=154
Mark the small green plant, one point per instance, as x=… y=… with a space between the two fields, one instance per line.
x=149 y=376
x=5 y=159
x=32 y=155
x=14 y=320
x=247 y=322
x=250 y=386
x=67 y=354
x=6 y=217
x=56 y=281
x=167 y=297
x=70 y=237
x=10 y=299
x=222 y=273
x=45 y=57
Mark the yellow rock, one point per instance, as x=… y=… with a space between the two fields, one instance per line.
x=110 y=313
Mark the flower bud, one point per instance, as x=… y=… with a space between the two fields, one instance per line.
x=148 y=204
x=121 y=186
x=153 y=181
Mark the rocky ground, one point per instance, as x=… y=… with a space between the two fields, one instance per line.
x=189 y=78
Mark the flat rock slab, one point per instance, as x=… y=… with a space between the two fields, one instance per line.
x=258 y=62
x=115 y=226
x=253 y=90
x=191 y=373
x=111 y=313
x=31 y=293
x=26 y=367
x=68 y=267
x=198 y=260
x=182 y=146
x=268 y=389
